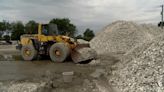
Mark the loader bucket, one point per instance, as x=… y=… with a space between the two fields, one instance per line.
x=82 y=53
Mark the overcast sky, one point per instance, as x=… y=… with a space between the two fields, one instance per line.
x=93 y=14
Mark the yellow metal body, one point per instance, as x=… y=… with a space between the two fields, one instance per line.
x=27 y=39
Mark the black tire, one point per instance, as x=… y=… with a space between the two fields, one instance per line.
x=26 y=56
x=63 y=52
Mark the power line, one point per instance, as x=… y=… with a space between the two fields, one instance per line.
x=162 y=17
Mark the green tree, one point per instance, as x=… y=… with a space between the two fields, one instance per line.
x=160 y=24
x=79 y=37
x=31 y=27
x=17 y=30
x=0 y=36
x=4 y=25
x=6 y=38
x=88 y=34
x=65 y=27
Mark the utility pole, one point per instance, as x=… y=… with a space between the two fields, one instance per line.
x=162 y=17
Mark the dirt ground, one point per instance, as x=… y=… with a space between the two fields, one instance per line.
x=13 y=72
x=19 y=76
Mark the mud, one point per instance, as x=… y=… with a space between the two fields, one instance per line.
x=18 y=70
x=46 y=76
x=9 y=53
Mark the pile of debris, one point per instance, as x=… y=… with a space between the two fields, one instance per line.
x=140 y=68
x=144 y=73
x=121 y=36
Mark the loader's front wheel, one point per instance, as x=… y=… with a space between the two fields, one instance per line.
x=28 y=52
x=59 y=52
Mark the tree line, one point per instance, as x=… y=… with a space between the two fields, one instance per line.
x=64 y=25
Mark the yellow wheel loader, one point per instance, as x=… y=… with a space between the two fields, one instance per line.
x=49 y=42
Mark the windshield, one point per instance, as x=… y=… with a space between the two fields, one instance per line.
x=53 y=30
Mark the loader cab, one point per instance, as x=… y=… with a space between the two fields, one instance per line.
x=48 y=29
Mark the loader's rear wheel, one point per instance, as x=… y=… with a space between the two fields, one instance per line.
x=28 y=52
x=59 y=52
